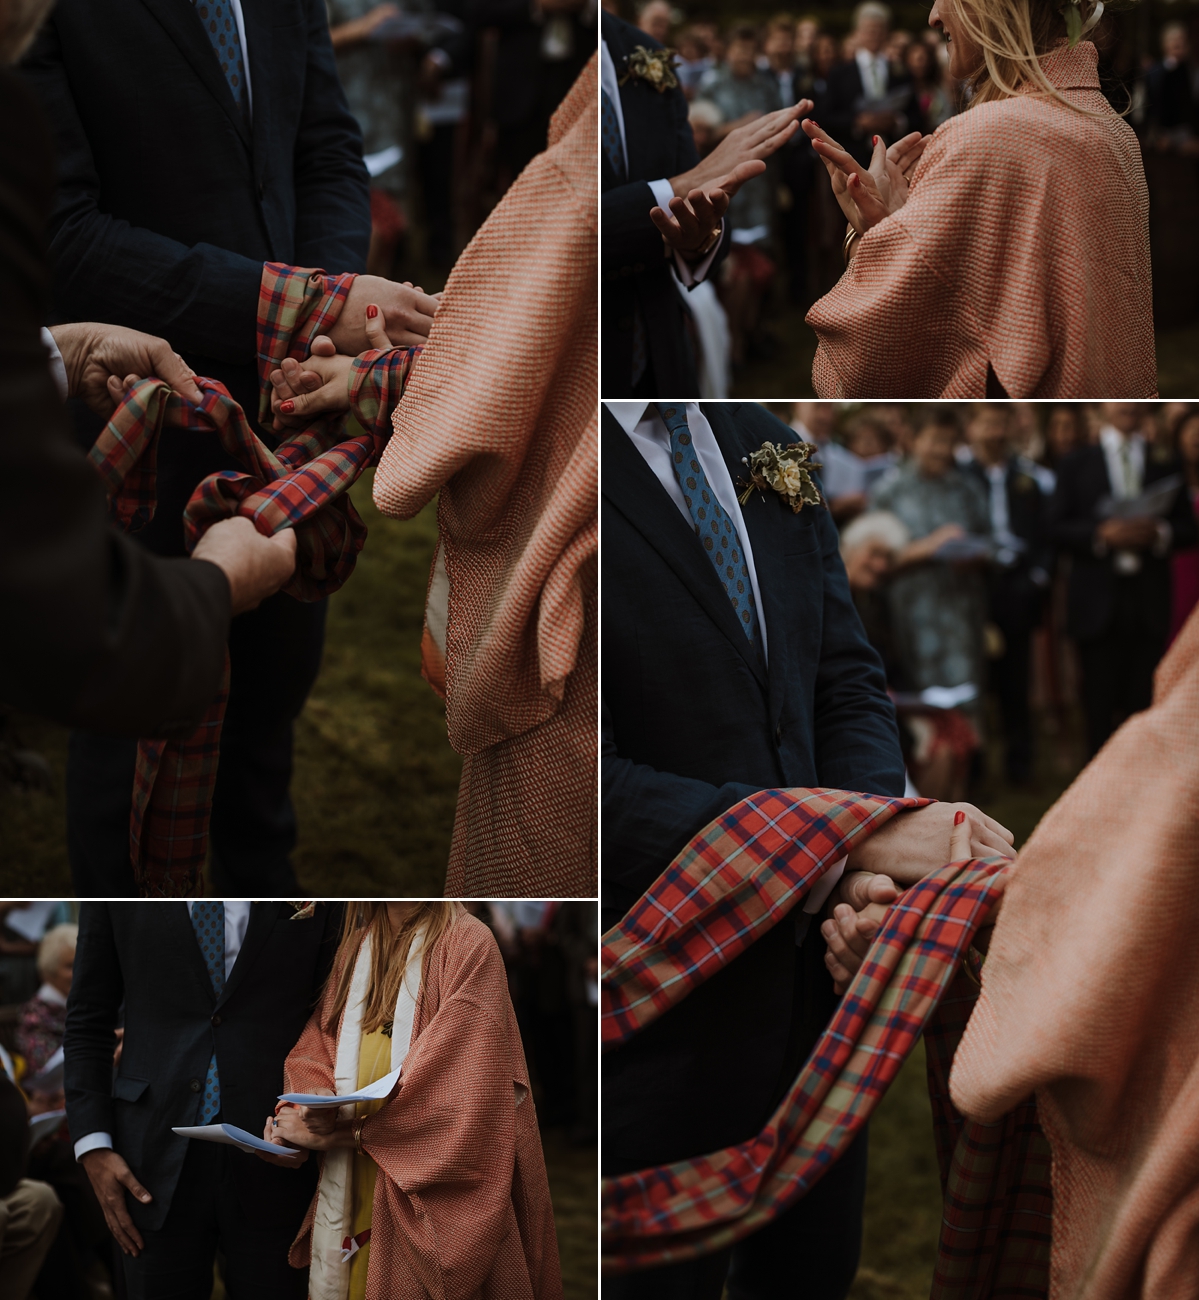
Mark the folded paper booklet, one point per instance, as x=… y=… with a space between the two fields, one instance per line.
x=376 y=1091
x=43 y=1125
x=232 y=1136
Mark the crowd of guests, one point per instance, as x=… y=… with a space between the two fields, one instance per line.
x=1012 y=552
x=454 y=98
x=786 y=227
x=59 y=1247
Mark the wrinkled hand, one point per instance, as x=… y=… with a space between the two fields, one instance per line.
x=912 y=844
x=110 y=1177
x=407 y=314
x=694 y=218
x=857 y=907
x=867 y=195
x=256 y=566
x=1128 y=534
x=753 y=142
x=102 y=361
x=271 y=1134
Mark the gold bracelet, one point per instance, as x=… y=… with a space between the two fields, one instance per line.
x=358 y=1135
x=850 y=235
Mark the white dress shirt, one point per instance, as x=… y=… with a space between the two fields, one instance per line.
x=1125 y=457
x=873 y=70
x=237 y=918
x=662 y=189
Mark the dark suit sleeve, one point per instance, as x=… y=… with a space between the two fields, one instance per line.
x=333 y=226
x=857 y=741
x=94 y=1003
x=203 y=298
x=648 y=816
x=1071 y=519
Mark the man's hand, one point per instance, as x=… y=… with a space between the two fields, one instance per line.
x=407 y=314
x=913 y=844
x=692 y=220
x=271 y=1134
x=755 y=141
x=856 y=910
x=256 y=566
x=1128 y=534
x=103 y=360
x=110 y=1178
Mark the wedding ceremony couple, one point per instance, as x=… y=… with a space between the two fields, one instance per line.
x=782 y=925
x=973 y=264
x=436 y=1185
x=196 y=238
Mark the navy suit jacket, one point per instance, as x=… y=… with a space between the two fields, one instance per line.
x=660 y=144
x=146 y=956
x=168 y=202
x=693 y=721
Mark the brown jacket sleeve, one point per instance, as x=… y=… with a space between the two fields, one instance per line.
x=96 y=632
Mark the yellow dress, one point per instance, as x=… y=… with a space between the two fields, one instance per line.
x=374 y=1061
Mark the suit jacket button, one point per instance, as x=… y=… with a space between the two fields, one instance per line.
x=195 y=1085
x=216 y=1020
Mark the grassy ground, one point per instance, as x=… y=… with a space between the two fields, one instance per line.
x=375 y=781
x=787 y=373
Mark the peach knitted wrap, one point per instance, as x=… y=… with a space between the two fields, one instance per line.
x=1024 y=243
x=1091 y=998
x=501 y=420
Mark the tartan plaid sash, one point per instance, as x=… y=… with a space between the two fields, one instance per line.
x=741 y=875
x=302 y=484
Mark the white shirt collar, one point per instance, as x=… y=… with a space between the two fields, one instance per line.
x=628 y=414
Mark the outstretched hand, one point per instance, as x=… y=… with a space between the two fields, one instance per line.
x=693 y=218
x=867 y=195
x=755 y=141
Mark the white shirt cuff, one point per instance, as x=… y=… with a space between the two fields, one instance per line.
x=820 y=891
x=57 y=366
x=93 y=1142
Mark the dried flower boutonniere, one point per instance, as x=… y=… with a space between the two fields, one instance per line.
x=654 y=67
x=786 y=470
x=303 y=912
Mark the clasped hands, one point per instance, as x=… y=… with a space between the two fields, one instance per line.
x=308 y=1128
x=900 y=854
x=867 y=195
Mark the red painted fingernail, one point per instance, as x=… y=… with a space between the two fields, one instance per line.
x=287 y=407
x=371 y=312
x=959 y=817
x=875 y=139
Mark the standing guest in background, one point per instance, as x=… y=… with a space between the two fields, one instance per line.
x=743 y=92
x=273 y=170
x=867 y=96
x=1172 y=110
x=1065 y=433
x=1019 y=573
x=653 y=18
x=932 y=101
x=1118 y=608
x=778 y=56
x=649 y=163
x=694 y=61
x=938 y=604
x=542 y=48
x=44 y=1016
x=1185 y=562
x=816 y=422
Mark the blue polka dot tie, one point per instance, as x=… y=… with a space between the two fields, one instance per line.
x=221 y=26
x=208 y=919
x=713 y=526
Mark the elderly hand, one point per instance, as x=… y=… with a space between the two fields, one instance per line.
x=913 y=844
x=256 y=566
x=407 y=314
x=103 y=360
x=867 y=195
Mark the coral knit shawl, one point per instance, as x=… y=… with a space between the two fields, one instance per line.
x=1024 y=243
x=462 y=1205
x=1090 y=998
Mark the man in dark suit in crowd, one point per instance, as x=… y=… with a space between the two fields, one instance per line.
x=704 y=704
x=1118 y=608
x=1018 y=578
x=181 y=171
x=649 y=164
x=866 y=96
x=215 y=995
x=98 y=632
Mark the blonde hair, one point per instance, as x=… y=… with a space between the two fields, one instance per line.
x=389 y=954
x=59 y=939
x=1013 y=36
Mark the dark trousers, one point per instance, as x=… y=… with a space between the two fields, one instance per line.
x=1010 y=676
x=207 y=1212
x=1117 y=670
x=809 y=1253
x=275 y=655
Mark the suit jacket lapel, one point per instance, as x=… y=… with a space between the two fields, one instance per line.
x=262 y=920
x=182 y=24
x=258 y=39
x=630 y=485
x=179 y=922
x=765 y=521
